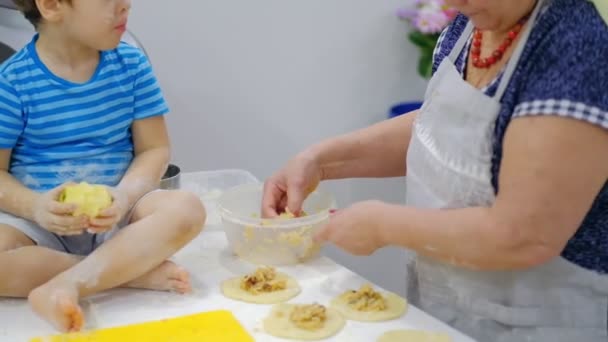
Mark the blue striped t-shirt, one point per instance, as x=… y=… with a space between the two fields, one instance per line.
x=62 y=131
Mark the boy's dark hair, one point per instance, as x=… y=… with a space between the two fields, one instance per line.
x=30 y=10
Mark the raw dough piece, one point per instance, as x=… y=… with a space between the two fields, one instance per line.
x=413 y=336
x=90 y=199
x=368 y=305
x=316 y=322
x=264 y=286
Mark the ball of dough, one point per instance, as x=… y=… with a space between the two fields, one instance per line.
x=90 y=199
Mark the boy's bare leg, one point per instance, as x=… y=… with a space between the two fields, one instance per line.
x=163 y=222
x=26 y=268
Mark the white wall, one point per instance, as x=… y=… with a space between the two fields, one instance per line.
x=250 y=83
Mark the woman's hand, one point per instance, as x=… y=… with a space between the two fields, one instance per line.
x=289 y=187
x=356 y=229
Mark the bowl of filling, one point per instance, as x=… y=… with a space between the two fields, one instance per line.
x=284 y=240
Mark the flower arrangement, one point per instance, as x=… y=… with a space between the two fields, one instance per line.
x=428 y=19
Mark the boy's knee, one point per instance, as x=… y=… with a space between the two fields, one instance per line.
x=11 y=238
x=189 y=212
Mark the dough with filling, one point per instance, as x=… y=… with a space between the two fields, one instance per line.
x=264 y=286
x=368 y=305
x=303 y=322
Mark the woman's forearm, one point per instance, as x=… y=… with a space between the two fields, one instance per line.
x=377 y=151
x=471 y=237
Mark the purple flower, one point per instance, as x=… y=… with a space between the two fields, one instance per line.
x=431 y=21
x=428 y=16
x=407 y=13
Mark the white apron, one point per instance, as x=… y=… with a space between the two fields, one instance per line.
x=448 y=166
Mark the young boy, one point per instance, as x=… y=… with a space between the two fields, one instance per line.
x=78 y=105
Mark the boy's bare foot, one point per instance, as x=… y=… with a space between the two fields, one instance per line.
x=58 y=305
x=166 y=277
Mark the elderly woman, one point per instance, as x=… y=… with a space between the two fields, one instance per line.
x=507 y=192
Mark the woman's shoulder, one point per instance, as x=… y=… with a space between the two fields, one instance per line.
x=569 y=29
x=565 y=57
x=573 y=17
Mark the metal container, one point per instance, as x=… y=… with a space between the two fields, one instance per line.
x=171 y=178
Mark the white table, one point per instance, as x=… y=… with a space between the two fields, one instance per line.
x=209 y=262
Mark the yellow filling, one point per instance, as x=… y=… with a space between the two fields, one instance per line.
x=309 y=317
x=289 y=215
x=263 y=280
x=365 y=299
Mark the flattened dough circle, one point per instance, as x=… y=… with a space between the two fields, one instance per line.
x=231 y=288
x=413 y=336
x=278 y=324
x=396 y=307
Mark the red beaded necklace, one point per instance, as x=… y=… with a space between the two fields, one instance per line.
x=487 y=62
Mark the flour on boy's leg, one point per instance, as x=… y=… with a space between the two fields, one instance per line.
x=166 y=277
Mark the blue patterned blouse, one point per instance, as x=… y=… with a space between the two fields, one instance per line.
x=563 y=71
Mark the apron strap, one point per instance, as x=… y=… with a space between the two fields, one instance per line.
x=459 y=46
x=514 y=60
